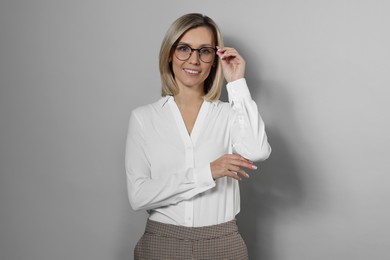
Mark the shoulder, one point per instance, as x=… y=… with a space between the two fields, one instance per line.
x=149 y=108
x=220 y=105
x=147 y=111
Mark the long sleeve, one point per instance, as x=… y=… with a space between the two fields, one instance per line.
x=249 y=138
x=147 y=192
x=168 y=170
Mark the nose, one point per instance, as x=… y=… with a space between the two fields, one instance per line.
x=194 y=57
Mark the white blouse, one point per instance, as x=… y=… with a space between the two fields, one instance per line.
x=168 y=170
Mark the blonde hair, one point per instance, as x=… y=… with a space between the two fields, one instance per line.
x=213 y=83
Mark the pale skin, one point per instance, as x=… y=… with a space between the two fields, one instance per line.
x=190 y=76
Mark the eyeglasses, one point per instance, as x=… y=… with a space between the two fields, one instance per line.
x=183 y=52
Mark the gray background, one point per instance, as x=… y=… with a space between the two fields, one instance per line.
x=71 y=71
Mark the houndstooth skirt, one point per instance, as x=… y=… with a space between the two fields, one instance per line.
x=165 y=241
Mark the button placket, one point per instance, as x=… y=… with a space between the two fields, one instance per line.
x=189 y=157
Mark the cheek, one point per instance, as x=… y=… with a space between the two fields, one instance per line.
x=207 y=70
x=175 y=67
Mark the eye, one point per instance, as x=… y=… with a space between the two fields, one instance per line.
x=206 y=51
x=183 y=48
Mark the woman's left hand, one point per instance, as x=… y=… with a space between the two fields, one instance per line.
x=233 y=65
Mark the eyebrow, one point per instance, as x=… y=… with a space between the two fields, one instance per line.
x=200 y=46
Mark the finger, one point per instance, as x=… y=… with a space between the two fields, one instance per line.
x=227 y=52
x=224 y=48
x=243 y=173
x=242 y=162
x=245 y=159
x=246 y=164
x=230 y=52
x=231 y=158
x=228 y=55
x=233 y=175
x=220 y=51
x=233 y=168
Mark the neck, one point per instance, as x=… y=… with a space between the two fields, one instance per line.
x=189 y=97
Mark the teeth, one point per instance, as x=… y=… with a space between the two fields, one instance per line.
x=192 y=71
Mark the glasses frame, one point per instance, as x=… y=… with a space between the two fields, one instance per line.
x=194 y=49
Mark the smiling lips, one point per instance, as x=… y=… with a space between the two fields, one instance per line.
x=193 y=72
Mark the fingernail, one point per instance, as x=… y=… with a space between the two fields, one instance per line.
x=254 y=167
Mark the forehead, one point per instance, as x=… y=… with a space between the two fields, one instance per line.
x=198 y=36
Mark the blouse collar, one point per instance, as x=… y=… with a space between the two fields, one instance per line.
x=165 y=100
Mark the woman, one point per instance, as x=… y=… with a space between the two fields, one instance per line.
x=186 y=152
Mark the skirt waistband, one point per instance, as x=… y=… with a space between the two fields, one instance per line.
x=191 y=233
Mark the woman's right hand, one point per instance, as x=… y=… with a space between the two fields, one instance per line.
x=231 y=165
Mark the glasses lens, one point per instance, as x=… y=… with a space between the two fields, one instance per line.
x=207 y=54
x=183 y=52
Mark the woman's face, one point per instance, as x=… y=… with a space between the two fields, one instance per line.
x=193 y=72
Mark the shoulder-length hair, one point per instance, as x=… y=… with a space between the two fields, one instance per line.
x=213 y=83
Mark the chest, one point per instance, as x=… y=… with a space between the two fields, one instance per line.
x=172 y=148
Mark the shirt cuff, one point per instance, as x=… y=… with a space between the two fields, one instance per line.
x=238 y=89
x=203 y=177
